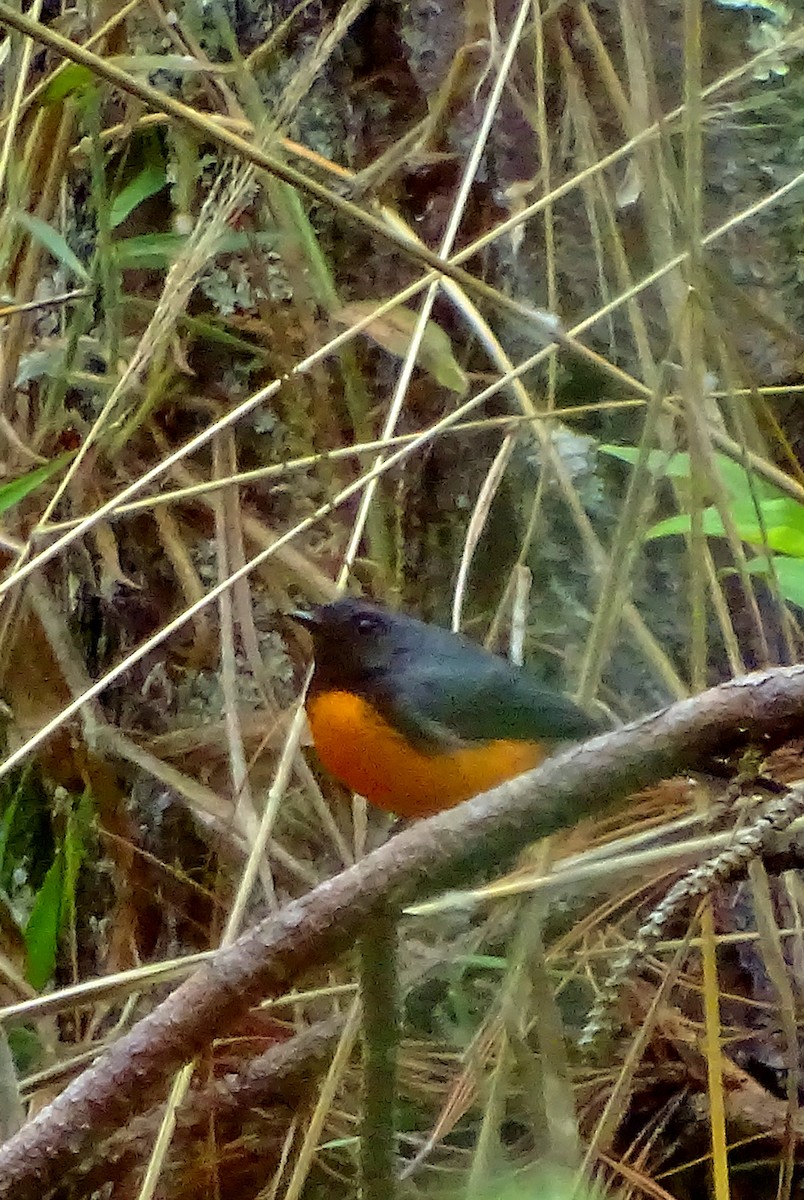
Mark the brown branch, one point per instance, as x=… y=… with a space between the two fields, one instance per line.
x=284 y=1075
x=445 y=851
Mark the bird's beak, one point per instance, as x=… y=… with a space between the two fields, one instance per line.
x=308 y=620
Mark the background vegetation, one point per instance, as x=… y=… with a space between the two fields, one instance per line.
x=231 y=384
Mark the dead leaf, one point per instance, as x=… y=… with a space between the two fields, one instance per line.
x=394 y=330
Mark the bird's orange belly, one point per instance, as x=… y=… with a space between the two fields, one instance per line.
x=364 y=752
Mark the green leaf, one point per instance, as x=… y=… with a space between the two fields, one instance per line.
x=151 y=179
x=26 y=1049
x=71 y=80
x=54 y=242
x=744 y=486
x=488 y=962
x=149 y=250
x=782 y=519
x=42 y=929
x=659 y=462
x=784 y=527
x=160 y=249
x=711 y=524
x=15 y=490
x=740 y=484
x=339 y=1143
x=789 y=572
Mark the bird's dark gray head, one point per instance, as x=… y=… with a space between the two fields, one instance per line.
x=355 y=641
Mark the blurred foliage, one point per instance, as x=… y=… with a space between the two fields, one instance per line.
x=153 y=283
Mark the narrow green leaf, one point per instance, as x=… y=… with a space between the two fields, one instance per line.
x=487 y=962
x=160 y=249
x=15 y=490
x=42 y=929
x=781 y=528
x=54 y=243
x=72 y=79
x=711 y=525
x=151 y=179
x=149 y=250
x=739 y=483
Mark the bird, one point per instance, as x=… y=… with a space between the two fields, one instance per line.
x=418 y=719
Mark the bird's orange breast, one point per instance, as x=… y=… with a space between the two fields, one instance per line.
x=367 y=754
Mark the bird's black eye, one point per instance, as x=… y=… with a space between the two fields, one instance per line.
x=367 y=624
